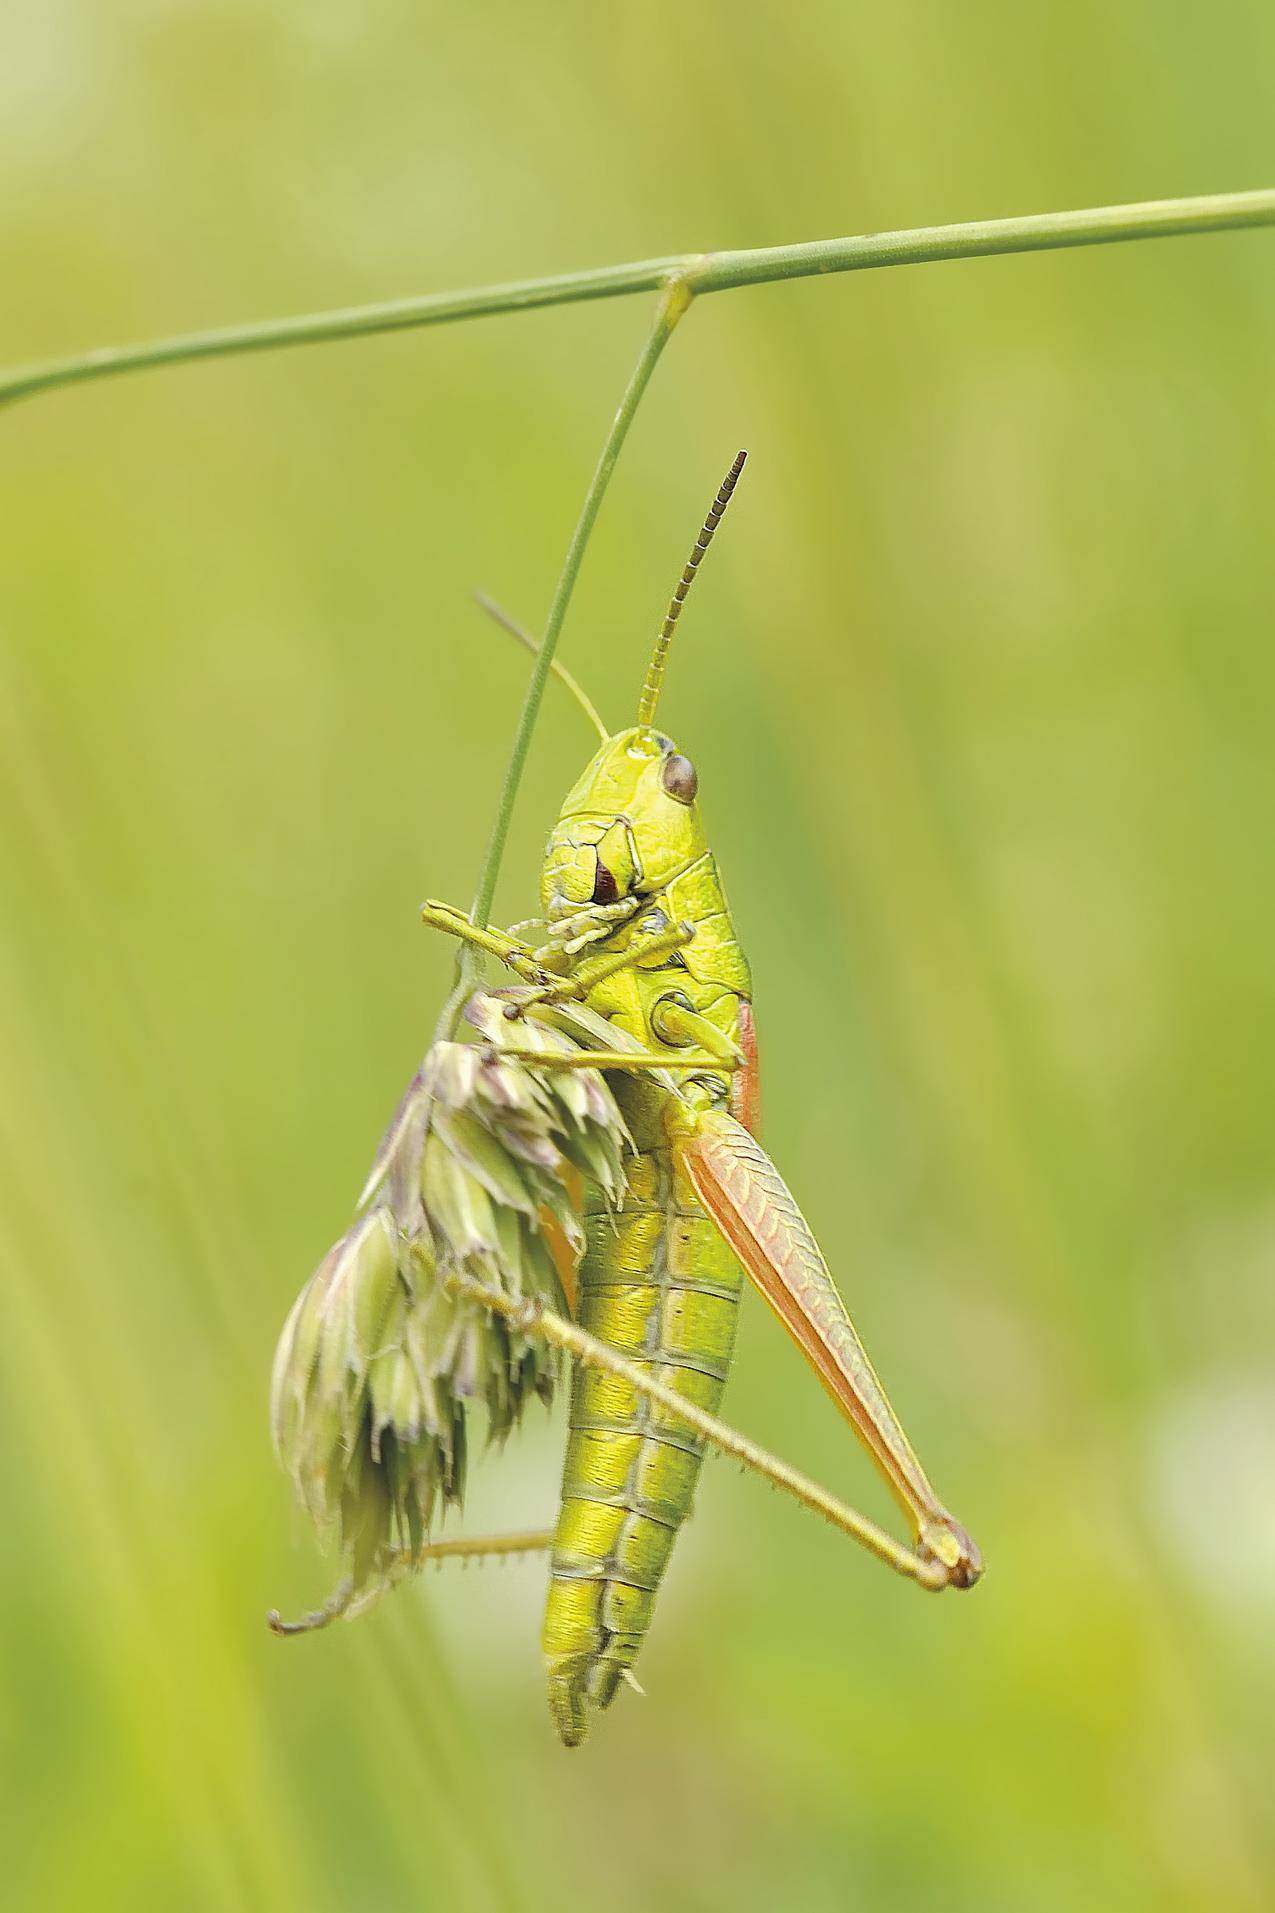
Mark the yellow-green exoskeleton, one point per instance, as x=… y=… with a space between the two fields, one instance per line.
x=636 y=939
x=627 y=860
x=659 y=1283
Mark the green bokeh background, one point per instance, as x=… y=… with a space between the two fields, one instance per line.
x=979 y=682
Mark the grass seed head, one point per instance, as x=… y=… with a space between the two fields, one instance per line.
x=383 y=1354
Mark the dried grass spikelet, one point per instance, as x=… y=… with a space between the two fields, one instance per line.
x=382 y=1355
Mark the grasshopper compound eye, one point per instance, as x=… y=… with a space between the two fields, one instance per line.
x=679 y=778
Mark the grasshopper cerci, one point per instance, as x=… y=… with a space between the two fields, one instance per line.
x=633 y=990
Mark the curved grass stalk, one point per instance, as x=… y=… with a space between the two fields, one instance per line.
x=673 y=304
x=699 y=273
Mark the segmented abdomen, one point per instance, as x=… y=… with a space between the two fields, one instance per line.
x=661 y=1287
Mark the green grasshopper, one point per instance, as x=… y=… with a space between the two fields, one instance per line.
x=637 y=951
x=627 y=862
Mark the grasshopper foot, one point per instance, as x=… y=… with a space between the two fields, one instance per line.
x=947 y=1543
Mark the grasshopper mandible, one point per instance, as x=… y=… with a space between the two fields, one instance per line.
x=637 y=944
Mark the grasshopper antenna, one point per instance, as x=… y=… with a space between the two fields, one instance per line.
x=655 y=671
x=560 y=671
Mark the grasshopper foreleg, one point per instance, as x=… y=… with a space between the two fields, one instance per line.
x=516 y=955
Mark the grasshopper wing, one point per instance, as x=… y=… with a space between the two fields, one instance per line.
x=751 y=1204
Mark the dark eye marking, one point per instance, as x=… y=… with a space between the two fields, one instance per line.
x=679 y=778
x=605 y=889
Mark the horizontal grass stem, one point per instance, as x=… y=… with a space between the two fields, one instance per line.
x=701 y=273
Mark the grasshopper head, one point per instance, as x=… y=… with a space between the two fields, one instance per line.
x=627 y=827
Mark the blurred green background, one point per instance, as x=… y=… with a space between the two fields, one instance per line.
x=979 y=684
